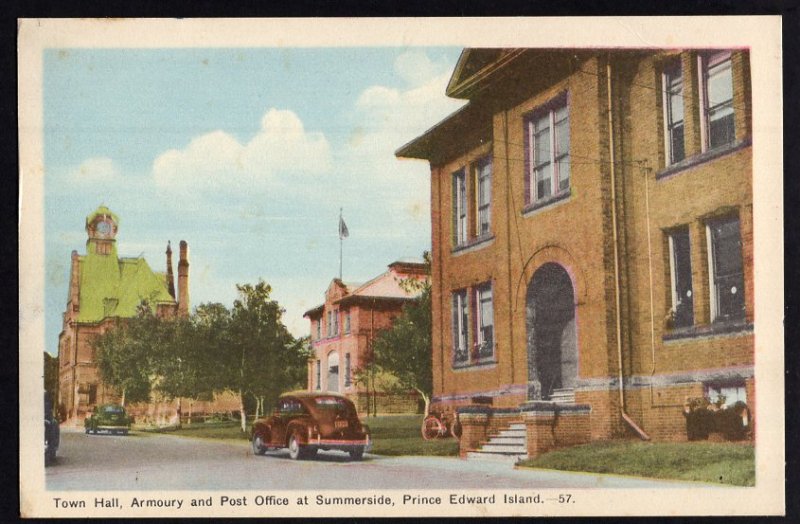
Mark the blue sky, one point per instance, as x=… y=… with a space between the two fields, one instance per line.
x=247 y=154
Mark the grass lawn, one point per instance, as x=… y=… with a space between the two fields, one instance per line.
x=391 y=435
x=719 y=462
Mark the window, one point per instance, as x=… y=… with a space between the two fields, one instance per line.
x=473 y=307
x=680 y=273
x=484 y=322
x=716 y=100
x=347 y=323
x=92 y=394
x=483 y=184
x=726 y=269
x=672 y=87
x=459 y=207
x=328 y=324
x=460 y=323
x=347 y=381
x=318 y=325
x=731 y=393
x=335 y=322
x=319 y=373
x=548 y=152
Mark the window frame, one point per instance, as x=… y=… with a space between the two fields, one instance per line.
x=347 y=371
x=480 y=327
x=667 y=88
x=319 y=374
x=714 y=291
x=556 y=155
x=482 y=170
x=706 y=61
x=460 y=217
x=460 y=327
x=676 y=299
x=346 y=322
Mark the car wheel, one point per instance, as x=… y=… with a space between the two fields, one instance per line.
x=357 y=453
x=124 y=431
x=258 y=445
x=295 y=449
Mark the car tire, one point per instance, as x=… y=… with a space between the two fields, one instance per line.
x=258 y=445
x=357 y=453
x=296 y=450
x=124 y=431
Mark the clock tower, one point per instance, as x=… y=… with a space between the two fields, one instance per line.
x=101 y=226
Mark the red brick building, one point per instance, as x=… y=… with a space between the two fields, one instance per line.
x=342 y=330
x=104 y=287
x=592 y=239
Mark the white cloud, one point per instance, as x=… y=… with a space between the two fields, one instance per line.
x=416 y=67
x=218 y=162
x=94 y=171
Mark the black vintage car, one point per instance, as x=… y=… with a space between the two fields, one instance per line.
x=306 y=421
x=52 y=432
x=108 y=417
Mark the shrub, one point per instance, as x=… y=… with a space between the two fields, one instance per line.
x=704 y=417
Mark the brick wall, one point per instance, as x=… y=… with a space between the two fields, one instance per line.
x=576 y=233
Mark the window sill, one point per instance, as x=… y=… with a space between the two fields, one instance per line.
x=702 y=158
x=533 y=207
x=473 y=365
x=711 y=330
x=473 y=244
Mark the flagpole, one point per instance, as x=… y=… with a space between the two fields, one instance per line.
x=340 y=243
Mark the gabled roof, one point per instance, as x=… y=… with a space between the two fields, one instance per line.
x=112 y=287
x=474 y=66
x=383 y=288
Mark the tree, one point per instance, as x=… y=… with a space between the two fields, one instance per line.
x=404 y=350
x=262 y=358
x=51 y=376
x=124 y=355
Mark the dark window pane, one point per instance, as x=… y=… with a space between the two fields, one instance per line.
x=721 y=130
x=678 y=152
x=728 y=270
x=682 y=272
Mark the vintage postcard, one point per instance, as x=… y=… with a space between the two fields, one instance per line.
x=401 y=267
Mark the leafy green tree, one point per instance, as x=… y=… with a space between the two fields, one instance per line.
x=262 y=358
x=404 y=350
x=124 y=356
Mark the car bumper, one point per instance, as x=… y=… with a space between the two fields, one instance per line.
x=342 y=445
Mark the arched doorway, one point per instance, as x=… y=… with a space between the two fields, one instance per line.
x=551 y=336
x=333 y=371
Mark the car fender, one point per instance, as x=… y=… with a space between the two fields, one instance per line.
x=300 y=427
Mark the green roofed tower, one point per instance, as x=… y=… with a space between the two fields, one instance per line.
x=104 y=287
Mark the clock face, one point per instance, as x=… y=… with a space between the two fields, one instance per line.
x=104 y=228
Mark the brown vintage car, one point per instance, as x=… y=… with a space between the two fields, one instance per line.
x=306 y=422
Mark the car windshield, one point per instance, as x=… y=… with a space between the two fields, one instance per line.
x=113 y=409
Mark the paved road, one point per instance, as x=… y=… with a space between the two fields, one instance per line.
x=163 y=462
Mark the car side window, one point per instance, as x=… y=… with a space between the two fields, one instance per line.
x=290 y=407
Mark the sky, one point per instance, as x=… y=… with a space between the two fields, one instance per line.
x=248 y=155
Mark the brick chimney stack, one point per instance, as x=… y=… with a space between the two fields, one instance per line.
x=183 y=280
x=170 y=276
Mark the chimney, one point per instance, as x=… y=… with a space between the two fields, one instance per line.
x=170 y=277
x=183 y=280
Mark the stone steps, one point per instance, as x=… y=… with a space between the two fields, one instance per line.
x=509 y=444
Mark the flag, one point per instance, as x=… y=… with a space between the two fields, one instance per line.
x=343 y=232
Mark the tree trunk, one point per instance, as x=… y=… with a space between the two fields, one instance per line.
x=191 y=411
x=178 y=410
x=242 y=413
x=427 y=400
x=123 y=398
